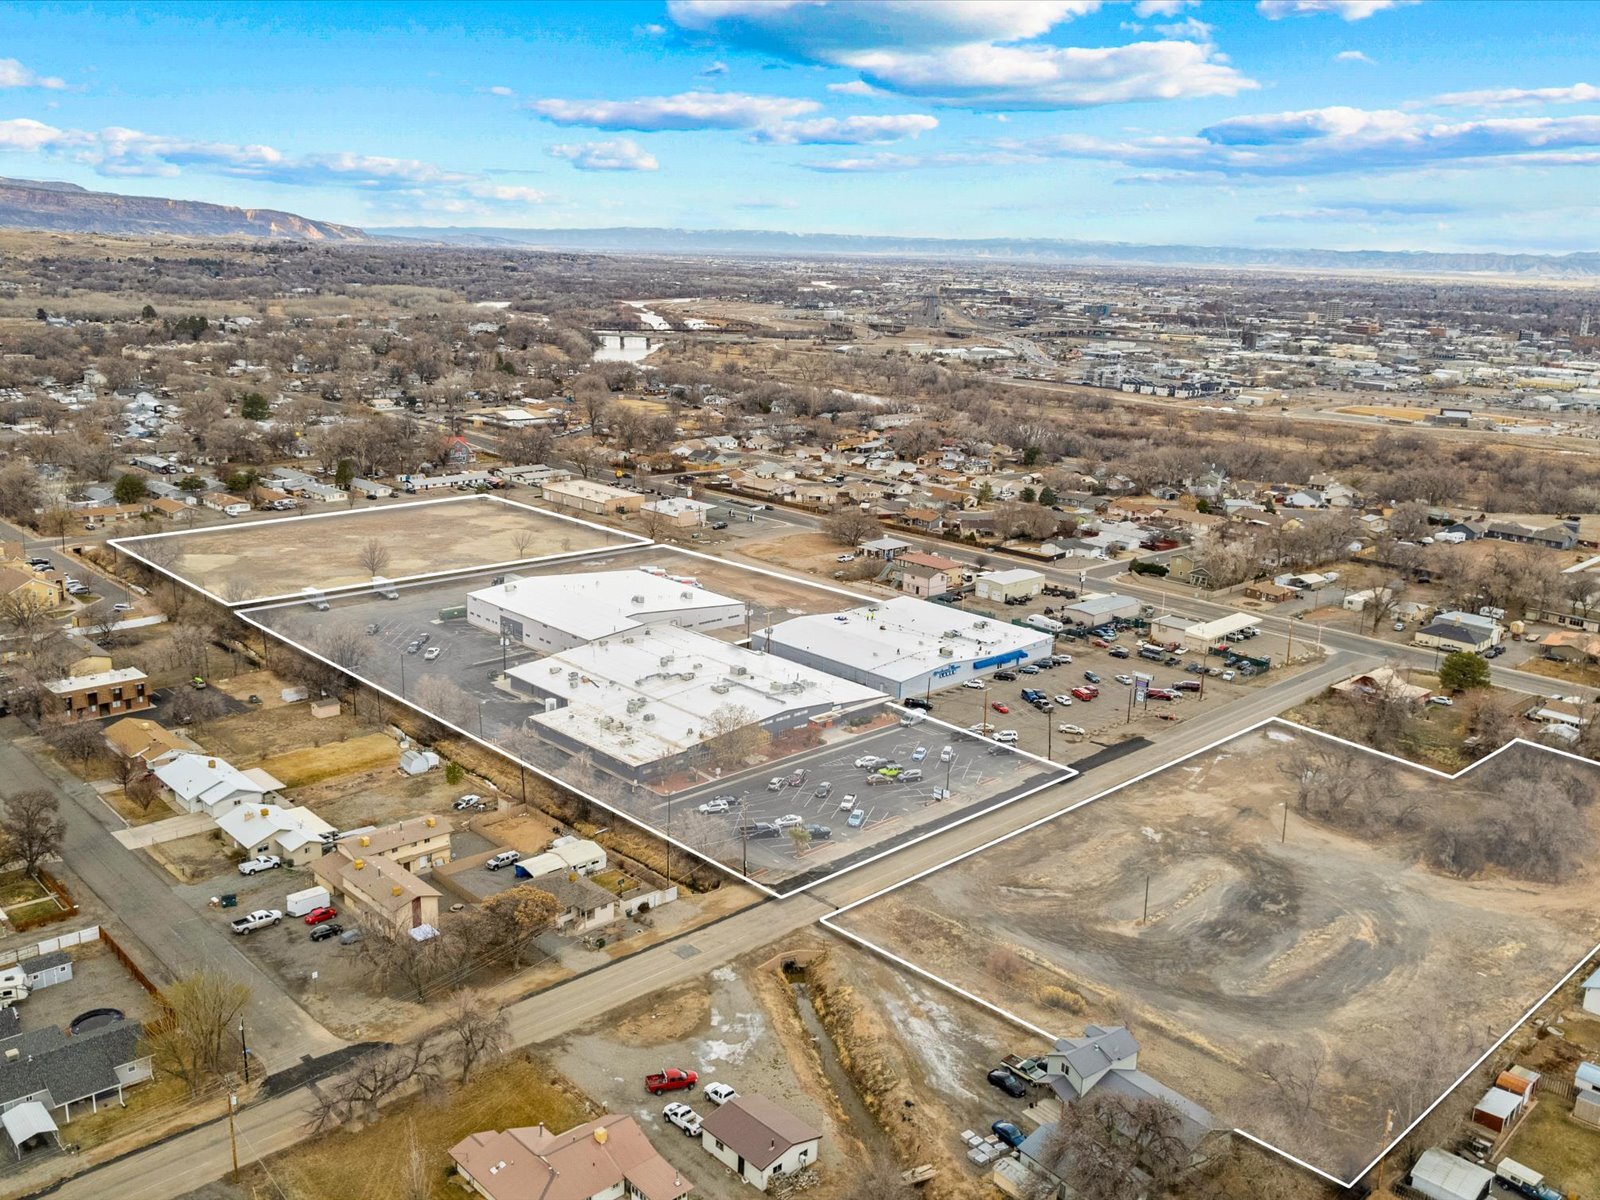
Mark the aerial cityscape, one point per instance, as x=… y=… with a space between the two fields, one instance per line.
x=857 y=599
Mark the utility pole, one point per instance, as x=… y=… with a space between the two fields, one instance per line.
x=402 y=674
x=244 y=1053
x=233 y=1141
x=1285 y=835
x=1145 y=920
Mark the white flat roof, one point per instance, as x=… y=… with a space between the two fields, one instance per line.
x=77 y=683
x=588 y=489
x=904 y=637
x=650 y=694
x=595 y=604
x=1015 y=575
x=1210 y=631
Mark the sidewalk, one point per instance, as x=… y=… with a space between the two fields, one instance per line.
x=168 y=830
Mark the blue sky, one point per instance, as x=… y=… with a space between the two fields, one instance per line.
x=1339 y=123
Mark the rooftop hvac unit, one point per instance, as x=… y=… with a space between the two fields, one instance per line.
x=980 y=624
x=638 y=600
x=551 y=704
x=947 y=651
x=741 y=670
x=627 y=641
x=721 y=689
x=648 y=717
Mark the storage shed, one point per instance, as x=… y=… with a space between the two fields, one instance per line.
x=1586 y=1108
x=48 y=969
x=1497 y=1110
x=1587 y=1078
x=1442 y=1176
x=1591 y=993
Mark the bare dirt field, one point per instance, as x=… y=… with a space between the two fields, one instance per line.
x=258 y=560
x=1297 y=987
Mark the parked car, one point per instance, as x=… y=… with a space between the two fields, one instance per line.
x=1187 y=685
x=777 y=783
x=819 y=833
x=323 y=932
x=1006 y=737
x=875 y=780
x=858 y=818
x=888 y=772
x=1005 y=676
x=1000 y=707
x=121 y=608
x=413 y=647
x=918 y=702
x=1077 y=730
x=947 y=753
x=1161 y=694
x=920 y=753
x=848 y=802
x=973 y=683
x=264 y=862
x=846 y=558
x=870 y=761
x=719 y=804
x=788 y=821
x=431 y=653
x=1061 y=660
x=1062 y=700
x=1124 y=679
x=350 y=937
x=1007 y=1133
x=797 y=778
x=1227 y=677
x=1007 y=1082
x=1030 y=669
x=505 y=858
x=1494 y=651
x=1091 y=677
x=1443 y=701
x=323 y=912
x=684 y=1117
x=719 y=524
x=372 y=628
x=260 y=919
x=1085 y=694
x=670 y=1079
x=470 y=802
x=719 y=1093
x=1119 y=652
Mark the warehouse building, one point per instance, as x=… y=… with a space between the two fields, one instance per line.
x=904 y=647
x=1097 y=609
x=559 y=612
x=644 y=703
x=1001 y=586
x=587 y=496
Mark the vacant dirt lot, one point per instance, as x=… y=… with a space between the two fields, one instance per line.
x=1298 y=988
x=254 y=561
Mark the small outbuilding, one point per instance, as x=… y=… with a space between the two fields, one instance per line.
x=1442 y=1176
x=1591 y=993
x=45 y=970
x=759 y=1140
x=1497 y=1110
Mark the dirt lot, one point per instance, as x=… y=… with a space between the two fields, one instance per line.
x=254 y=561
x=1359 y=979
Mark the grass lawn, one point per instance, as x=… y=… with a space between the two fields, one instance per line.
x=370 y=1163
x=19 y=889
x=1566 y=1151
x=1583 y=673
x=159 y=1101
x=313 y=764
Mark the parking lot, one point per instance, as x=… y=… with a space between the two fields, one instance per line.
x=977 y=774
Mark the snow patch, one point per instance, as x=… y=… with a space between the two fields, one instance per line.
x=1277 y=735
x=747 y=1028
x=934 y=1036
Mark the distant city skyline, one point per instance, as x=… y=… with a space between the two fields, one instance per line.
x=1345 y=124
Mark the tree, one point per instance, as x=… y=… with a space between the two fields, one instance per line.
x=801 y=837
x=1103 y=1144
x=253 y=406
x=374 y=1078
x=20 y=493
x=1049 y=499
x=374 y=556
x=129 y=488
x=192 y=1035
x=1462 y=671
x=143 y=791
x=506 y=923
x=32 y=826
x=79 y=740
x=478 y=1031
x=732 y=735
x=148 y=312
x=850 y=526
x=191 y=484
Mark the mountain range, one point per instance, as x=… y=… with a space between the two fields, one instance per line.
x=66 y=207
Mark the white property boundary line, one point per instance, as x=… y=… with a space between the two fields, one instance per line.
x=1063 y=773
x=628 y=541
x=830 y=921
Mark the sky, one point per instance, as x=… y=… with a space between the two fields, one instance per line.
x=1378 y=124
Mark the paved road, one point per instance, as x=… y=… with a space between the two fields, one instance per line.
x=169 y=933
x=198 y=1157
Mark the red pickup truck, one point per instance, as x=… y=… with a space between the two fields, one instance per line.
x=670 y=1080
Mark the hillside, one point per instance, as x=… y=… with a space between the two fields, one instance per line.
x=68 y=208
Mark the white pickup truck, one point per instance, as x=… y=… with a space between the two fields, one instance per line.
x=684 y=1117
x=260 y=919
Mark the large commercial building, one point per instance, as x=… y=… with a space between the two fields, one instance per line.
x=903 y=647
x=559 y=612
x=644 y=703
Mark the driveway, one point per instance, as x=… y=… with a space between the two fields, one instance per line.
x=165 y=929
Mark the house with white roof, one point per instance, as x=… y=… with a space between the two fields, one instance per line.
x=203 y=783
x=296 y=835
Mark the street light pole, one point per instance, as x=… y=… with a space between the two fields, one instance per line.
x=402 y=674
x=244 y=1052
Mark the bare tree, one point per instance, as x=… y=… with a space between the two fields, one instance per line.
x=374 y=1078
x=191 y=1036
x=345 y=646
x=374 y=556
x=392 y=957
x=32 y=827
x=80 y=741
x=851 y=526
x=731 y=736
x=522 y=541
x=478 y=1031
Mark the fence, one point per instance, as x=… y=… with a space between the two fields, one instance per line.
x=128 y=964
x=50 y=945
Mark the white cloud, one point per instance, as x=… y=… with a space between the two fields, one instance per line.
x=1188 y=29
x=847 y=131
x=965 y=53
x=1352 y=56
x=1162 y=8
x=620 y=154
x=1339 y=139
x=1049 y=77
x=685 y=111
x=1578 y=93
x=856 y=87
x=649 y=31
x=120 y=153
x=501 y=89
x=712 y=70
x=14 y=75
x=1347 y=10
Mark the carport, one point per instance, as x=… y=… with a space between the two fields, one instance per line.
x=26 y=1121
x=1211 y=632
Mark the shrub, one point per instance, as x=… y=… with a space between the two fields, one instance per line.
x=1062 y=998
x=454 y=773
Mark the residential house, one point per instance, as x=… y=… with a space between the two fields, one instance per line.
x=1460 y=631
x=582 y=904
x=142 y=738
x=378 y=889
x=1559 y=712
x=1383 y=682
x=103 y=694
x=926 y=575
x=759 y=1140
x=20 y=582
x=417 y=845
x=1272 y=593
x=225 y=503
x=47 y=1067
x=295 y=835
x=1560 y=536
x=929 y=520
x=204 y=783
x=1570 y=646
x=608 y=1158
x=886 y=548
